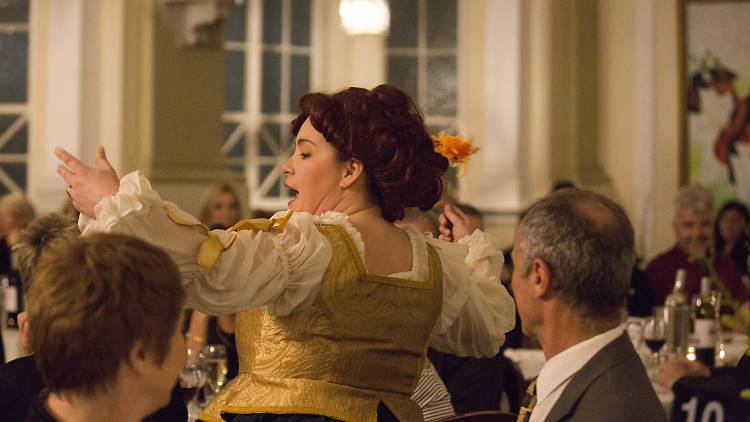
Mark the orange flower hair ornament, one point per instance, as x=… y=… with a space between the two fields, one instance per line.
x=455 y=148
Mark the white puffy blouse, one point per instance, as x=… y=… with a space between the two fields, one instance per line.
x=283 y=269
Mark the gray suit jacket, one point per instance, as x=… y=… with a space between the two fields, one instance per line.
x=611 y=386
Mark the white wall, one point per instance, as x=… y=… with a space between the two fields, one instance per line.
x=639 y=125
x=75 y=89
x=55 y=95
x=80 y=95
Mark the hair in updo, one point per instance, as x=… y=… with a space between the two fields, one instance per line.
x=383 y=129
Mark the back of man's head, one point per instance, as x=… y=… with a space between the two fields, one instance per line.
x=91 y=299
x=695 y=197
x=587 y=241
x=37 y=237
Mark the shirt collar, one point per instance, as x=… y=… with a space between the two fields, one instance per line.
x=566 y=363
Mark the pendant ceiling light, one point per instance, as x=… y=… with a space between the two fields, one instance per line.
x=365 y=16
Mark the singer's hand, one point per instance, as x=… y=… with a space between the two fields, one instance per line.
x=454 y=224
x=87 y=185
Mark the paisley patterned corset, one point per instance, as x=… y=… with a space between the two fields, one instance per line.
x=361 y=342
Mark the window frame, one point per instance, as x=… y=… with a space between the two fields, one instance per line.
x=18 y=109
x=251 y=119
x=423 y=53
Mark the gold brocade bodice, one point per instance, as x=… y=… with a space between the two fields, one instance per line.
x=361 y=342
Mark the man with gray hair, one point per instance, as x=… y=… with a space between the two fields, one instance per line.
x=573 y=254
x=693 y=229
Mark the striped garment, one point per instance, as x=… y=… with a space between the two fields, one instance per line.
x=431 y=396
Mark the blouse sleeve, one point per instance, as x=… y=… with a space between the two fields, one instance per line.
x=281 y=269
x=477 y=309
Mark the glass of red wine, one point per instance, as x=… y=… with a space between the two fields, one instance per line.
x=192 y=379
x=654 y=335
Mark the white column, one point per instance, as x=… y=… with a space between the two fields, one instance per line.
x=343 y=60
x=366 y=60
x=536 y=117
x=497 y=187
x=55 y=95
x=489 y=55
x=76 y=89
x=643 y=217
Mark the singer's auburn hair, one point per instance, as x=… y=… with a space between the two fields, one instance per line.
x=384 y=130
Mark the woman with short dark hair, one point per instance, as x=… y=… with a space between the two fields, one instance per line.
x=731 y=233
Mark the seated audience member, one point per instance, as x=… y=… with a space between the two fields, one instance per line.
x=573 y=253
x=640 y=296
x=104 y=314
x=431 y=395
x=36 y=238
x=477 y=384
x=20 y=381
x=220 y=209
x=693 y=229
x=16 y=212
x=703 y=391
x=424 y=221
x=731 y=236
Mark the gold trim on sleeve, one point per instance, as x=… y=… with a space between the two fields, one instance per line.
x=213 y=246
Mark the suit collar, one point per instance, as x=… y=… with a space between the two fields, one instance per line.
x=609 y=356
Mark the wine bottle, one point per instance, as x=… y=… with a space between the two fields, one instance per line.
x=678 y=317
x=705 y=329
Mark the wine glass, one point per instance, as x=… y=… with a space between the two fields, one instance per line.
x=214 y=359
x=634 y=329
x=654 y=335
x=192 y=378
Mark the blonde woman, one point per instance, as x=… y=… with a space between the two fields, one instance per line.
x=220 y=209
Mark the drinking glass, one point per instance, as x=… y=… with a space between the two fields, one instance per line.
x=192 y=379
x=635 y=330
x=214 y=359
x=654 y=335
x=720 y=338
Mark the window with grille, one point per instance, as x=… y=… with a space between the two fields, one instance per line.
x=273 y=57
x=422 y=61
x=14 y=118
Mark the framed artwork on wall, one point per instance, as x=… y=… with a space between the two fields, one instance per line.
x=716 y=53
